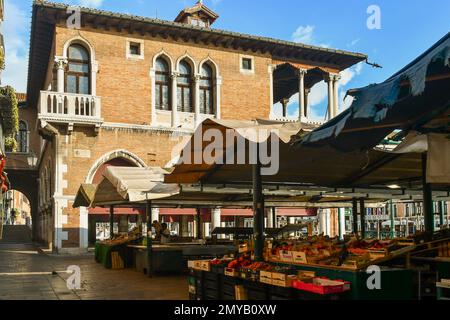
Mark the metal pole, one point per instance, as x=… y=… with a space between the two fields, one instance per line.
x=427 y=199
x=441 y=214
x=258 y=212
x=363 y=218
x=148 y=214
x=199 y=224
x=274 y=217
x=355 y=216
x=111 y=222
x=391 y=215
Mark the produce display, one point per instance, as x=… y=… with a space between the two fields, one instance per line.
x=134 y=234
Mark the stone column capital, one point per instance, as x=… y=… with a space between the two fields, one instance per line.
x=174 y=75
x=61 y=62
x=302 y=72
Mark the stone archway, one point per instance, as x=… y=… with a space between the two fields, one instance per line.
x=121 y=158
x=26 y=182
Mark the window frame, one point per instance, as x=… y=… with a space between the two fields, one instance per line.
x=241 y=64
x=23 y=136
x=129 y=55
x=204 y=90
x=183 y=87
x=159 y=104
x=78 y=75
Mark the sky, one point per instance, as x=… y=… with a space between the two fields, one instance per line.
x=406 y=29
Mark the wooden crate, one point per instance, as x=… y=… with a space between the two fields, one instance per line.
x=240 y=293
x=299 y=257
x=202 y=265
x=286 y=256
x=116 y=261
x=230 y=272
x=265 y=277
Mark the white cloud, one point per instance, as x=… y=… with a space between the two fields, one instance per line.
x=16 y=47
x=91 y=3
x=353 y=42
x=304 y=34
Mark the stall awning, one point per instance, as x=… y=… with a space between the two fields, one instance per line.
x=177 y=212
x=413 y=96
x=122 y=185
x=85 y=195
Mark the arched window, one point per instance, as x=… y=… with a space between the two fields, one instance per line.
x=184 y=87
x=206 y=90
x=78 y=70
x=22 y=137
x=162 y=87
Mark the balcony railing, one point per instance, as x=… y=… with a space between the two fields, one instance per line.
x=70 y=108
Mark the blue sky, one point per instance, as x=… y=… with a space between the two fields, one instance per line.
x=407 y=29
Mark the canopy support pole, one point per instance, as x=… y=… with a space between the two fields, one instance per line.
x=111 y=222
x=391 y=215
x=427 y=198
x=441 y=214
x=199 y=224
x=148 y=216
x=355 y=216
x=258 y=211
x=363 y=218
x=341 y=218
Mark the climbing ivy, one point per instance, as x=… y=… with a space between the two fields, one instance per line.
x=9 y=113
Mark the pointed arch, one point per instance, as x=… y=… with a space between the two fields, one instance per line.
x=212 y=64
x=189 y=59
x=163 y=54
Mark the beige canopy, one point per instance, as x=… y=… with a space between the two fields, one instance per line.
x=122 y=185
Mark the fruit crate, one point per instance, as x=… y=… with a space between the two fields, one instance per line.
x=323 y=286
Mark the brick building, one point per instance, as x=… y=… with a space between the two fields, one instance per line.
x=112 y=89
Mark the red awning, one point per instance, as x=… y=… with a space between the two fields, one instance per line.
x=177 y=212
x=296 y=212
x=237 y=212
x=127 y=211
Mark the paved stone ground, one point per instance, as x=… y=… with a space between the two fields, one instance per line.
x=97 y=282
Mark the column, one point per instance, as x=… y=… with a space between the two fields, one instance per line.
x=175 y=121
x=197 y=116
x=271 y=68
x=270 y=220
x=307 y=92
x=155 y=214
x=284 y=104
x=336 y=79
x=61 y=65
x=184 y=226
x=153 y=97
x=94 y=70
x=301 y=91
x=341 y=223
x=215 y=218
x=329 y=81
x=218 y=100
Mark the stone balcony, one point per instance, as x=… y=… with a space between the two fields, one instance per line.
x=70 y=108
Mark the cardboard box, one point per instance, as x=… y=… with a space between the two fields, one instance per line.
x=286 y=282
x=265 y=277
x=201 y=265
x=191 y=264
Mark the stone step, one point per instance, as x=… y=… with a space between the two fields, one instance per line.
x=16 y=234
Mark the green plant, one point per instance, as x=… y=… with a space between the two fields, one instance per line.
x=9 y=113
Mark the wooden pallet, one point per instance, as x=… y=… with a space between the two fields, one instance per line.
x=116 y=261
